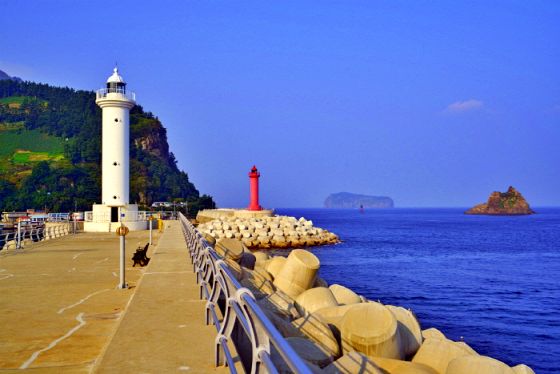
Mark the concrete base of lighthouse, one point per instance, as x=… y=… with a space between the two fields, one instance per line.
x=210 y=214
x=104 y=218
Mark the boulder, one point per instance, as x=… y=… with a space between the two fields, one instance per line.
x=343 y=295
x=314 y=299
x=298 y=273
x=477 y=364
x=371 y=328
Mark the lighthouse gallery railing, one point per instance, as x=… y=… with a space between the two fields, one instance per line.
x=103 y=92
x=218 y=283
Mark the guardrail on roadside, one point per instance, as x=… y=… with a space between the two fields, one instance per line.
x=237 y=304
x=24 y=236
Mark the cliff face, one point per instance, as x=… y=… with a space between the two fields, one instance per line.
x=503 y=203
x=153 y=141
x=346 y=200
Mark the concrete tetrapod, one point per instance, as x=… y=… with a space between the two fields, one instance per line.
x=343 y=295
x=409 y=329
x=432 y=332
x=522 y=369
x=333 y=314
x=310 y=352
x=248 y=260
x=320 y=282
x=259 y=281
x=317 y=330
x=274 y=265
x=371 y=328
x=392 y=366
x=260 y=257
x=477 y=364
x=438 y=353
x=280 y=304
x=353 y=363
x=298 y=273
x=230 y=248
x=314 y=299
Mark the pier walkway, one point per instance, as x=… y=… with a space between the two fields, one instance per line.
x=163 y=329
x=60 y=310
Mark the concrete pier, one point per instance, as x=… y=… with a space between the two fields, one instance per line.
x=60 y=310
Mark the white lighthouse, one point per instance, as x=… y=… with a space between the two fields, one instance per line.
x=115 y=207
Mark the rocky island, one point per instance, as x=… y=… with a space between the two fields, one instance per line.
x=347 y=200
x=503 y=204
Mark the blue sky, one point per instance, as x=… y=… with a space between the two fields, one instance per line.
x=433 y=103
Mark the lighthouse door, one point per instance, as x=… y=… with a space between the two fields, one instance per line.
x=114 y=214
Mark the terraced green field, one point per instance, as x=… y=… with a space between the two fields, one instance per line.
x=13 y=99
x=21 y=149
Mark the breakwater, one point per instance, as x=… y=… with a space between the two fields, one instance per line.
x=337 y=330
x=268 y=232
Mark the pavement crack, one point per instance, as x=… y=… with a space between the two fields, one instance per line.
x=60 y=311
x=36 y=354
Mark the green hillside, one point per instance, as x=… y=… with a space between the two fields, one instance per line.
x=50 y=140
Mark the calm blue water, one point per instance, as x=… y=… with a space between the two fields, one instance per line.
x=495 y=281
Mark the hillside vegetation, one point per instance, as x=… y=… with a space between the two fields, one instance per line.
x=50 y=152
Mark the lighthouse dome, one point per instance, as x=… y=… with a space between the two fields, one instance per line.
x=115 y=77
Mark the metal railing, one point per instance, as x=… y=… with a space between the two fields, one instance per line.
x=17 y=238
x=238 y=307
x=103 y=92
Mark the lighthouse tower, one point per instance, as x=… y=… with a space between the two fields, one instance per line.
x=254 y=176
x=115 y=102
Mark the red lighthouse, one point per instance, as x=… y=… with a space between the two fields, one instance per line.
x=254 y=182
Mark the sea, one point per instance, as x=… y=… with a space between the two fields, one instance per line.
x=491 y=281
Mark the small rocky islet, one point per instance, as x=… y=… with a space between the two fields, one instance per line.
x=509 y=203
x=335 y=330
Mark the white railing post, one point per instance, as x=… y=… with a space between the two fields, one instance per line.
x=18 y=242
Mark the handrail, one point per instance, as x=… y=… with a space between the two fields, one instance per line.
x=104 y=92
x=16 y=238
x=217 y=282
